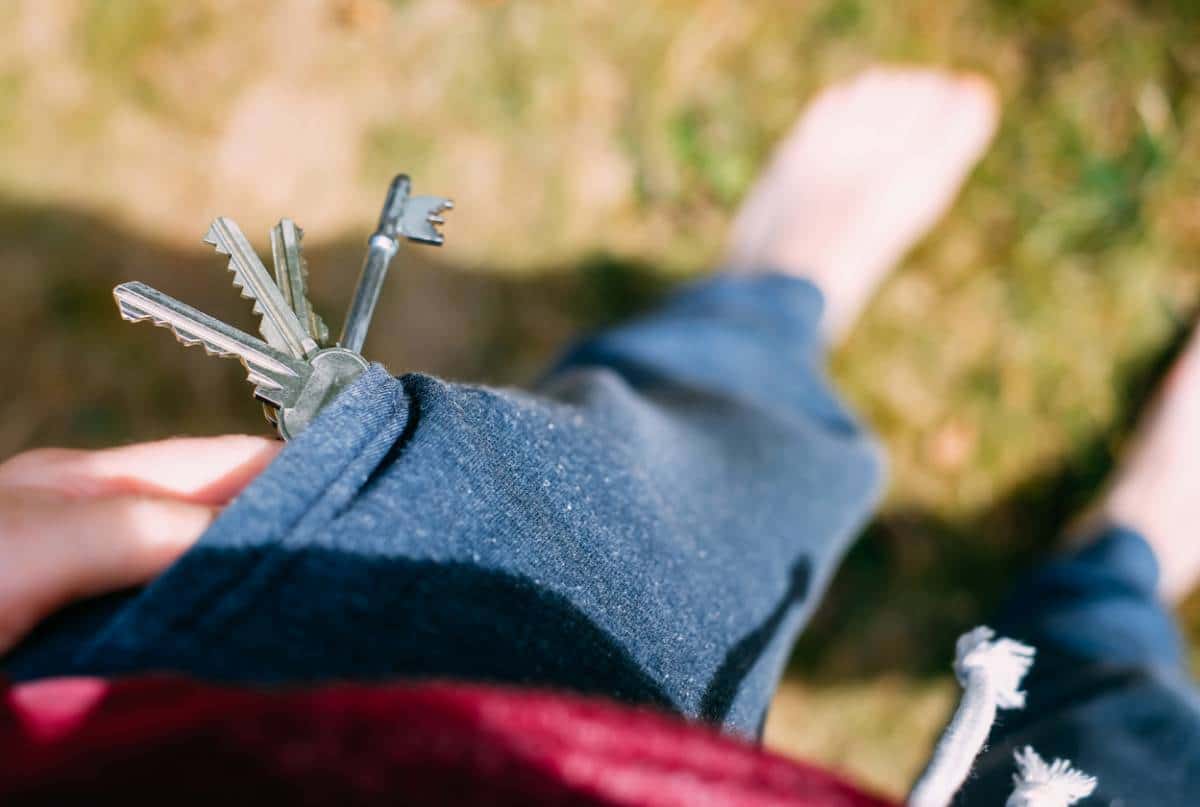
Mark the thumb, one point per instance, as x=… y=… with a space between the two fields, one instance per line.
x=202 y=470
x=55 y=550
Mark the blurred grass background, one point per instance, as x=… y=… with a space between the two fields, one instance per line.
x=596 y=151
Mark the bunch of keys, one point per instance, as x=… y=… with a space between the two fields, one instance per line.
x=296 y=371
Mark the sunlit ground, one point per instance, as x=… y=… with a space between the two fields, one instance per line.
x=596 y=150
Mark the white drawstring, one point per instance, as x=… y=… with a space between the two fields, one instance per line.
x=990 y=673
x=1037 y=784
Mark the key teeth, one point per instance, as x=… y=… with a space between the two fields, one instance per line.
x=316 y=326
x=130 y=314
x=214 y=239
x=320 y=331
x=421 y=219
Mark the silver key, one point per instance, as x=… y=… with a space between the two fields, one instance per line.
x=291 y=275
x=333 y=369
x=413 y=217
x=295 y=389
x=293 y=376
x=279 y=379
x=280 y=326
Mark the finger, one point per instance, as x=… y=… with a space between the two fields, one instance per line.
x=54 y=551
x=125 y=541
x=202 y=470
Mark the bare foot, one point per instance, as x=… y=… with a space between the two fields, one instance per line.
x=866 y=171
x=1156 y=489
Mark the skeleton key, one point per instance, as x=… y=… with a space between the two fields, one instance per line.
x=280 y=326
x=278 y=377
x=413 y=217
x=291 y=275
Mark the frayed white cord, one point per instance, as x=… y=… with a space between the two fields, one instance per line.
x=990 y=673
x=1040 y=785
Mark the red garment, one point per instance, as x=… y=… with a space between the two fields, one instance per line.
x=168 y=741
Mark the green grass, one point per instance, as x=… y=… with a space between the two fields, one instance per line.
x=597 y=151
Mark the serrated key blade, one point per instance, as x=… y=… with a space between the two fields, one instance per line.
x=278 y=377
x=279 y=325
x=291 y=276
x=279 y=256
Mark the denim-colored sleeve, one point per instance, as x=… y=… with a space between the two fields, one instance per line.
x=654 y=523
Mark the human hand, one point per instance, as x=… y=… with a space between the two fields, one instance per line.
x=77 y=524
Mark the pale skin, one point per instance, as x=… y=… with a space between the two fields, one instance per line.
x=867 y=170
x=75 y=524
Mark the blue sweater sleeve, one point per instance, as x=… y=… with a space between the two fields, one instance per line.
x=654 y=522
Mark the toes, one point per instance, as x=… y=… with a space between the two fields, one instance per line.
x=963 y=127
x=891 y=137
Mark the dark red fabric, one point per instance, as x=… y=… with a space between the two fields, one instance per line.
x=168 y=741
